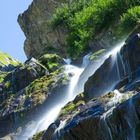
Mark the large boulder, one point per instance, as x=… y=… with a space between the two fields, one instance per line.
x=23 y=75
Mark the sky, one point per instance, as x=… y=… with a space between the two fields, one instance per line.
x=11 y=36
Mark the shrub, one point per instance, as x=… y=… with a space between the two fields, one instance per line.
x=86 y=19
x=130 y=19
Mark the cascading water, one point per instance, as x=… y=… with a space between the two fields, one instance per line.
x=51 y=115
x=95 y=65
x=78 y=76
x=76 y=72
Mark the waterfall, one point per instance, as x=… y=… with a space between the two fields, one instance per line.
x=74 y=80
x=51 y=115
x=79 y=76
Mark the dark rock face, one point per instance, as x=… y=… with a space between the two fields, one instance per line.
x=118 y=66
x=100 y=119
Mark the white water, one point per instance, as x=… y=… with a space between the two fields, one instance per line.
x=51 y=115
x=75 y=73
x=86 y=60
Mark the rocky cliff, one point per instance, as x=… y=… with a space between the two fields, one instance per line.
x=40 y=37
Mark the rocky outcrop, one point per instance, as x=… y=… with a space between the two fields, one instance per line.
x=40 y=37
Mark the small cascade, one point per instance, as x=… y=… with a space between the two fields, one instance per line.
x=61 y=126
x=106 y=131
x=122 y=62
x=128 y=117
x=76 y=72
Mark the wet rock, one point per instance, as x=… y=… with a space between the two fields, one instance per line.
x=101 y=120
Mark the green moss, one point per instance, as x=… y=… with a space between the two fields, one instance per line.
x=2 y=76
x=5 y=60
x=7 y=85
x=96 y=54
x=38 y=136
x=130 y=19
x=40 y=87
x=71 y=108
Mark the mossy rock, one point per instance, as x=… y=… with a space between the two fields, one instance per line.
x=71 y=108
x=96 y=54
x=3 y=75
x=6 y=60
x=38 y=136
x=51 y=61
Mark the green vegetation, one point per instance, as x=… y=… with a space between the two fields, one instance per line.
x=86 y=19
x=5 y=60
x=39 y=88
x=71 y=107
x=130 y=19
x=51 y=61
x=38 y=136
x=2 y=76
x=7 y=85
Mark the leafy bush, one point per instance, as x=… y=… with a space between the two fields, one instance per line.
x=86 y=19
x=130 y=19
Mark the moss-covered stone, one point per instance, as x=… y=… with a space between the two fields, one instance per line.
x=34 y=94
x=71 y=108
